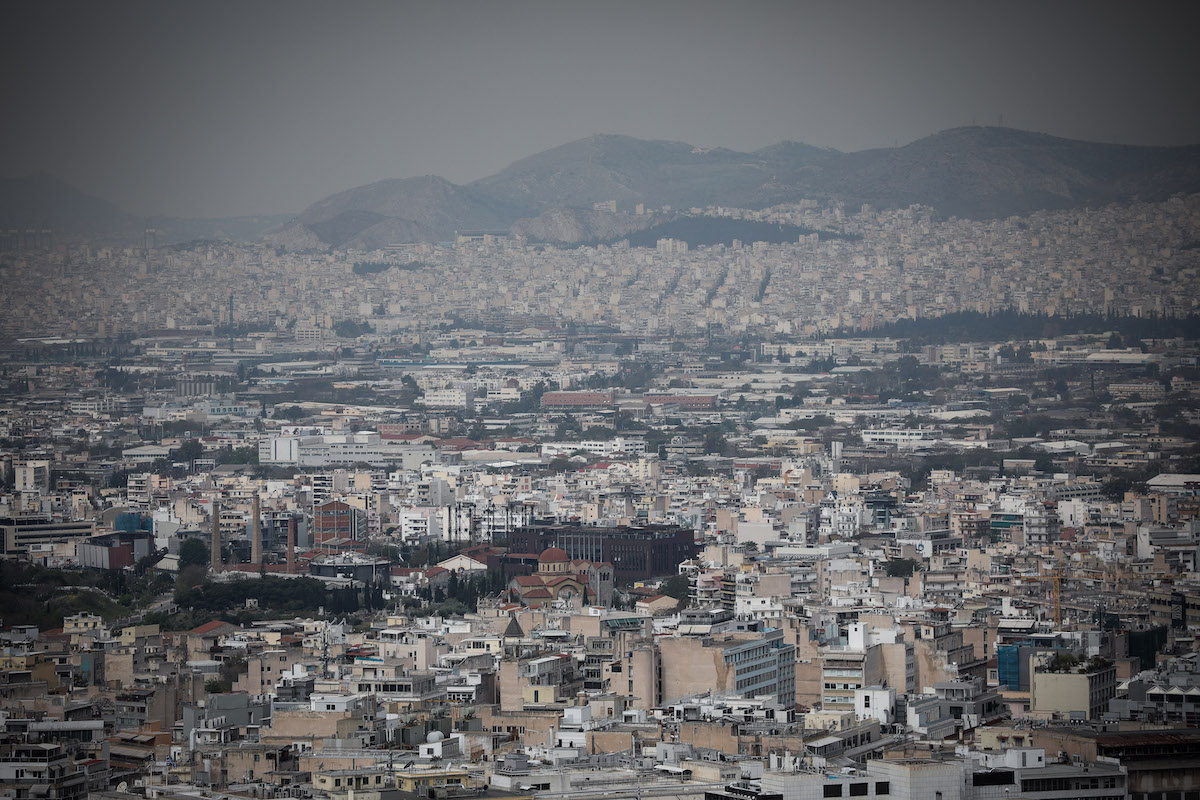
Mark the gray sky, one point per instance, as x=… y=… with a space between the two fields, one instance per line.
x=223 y=108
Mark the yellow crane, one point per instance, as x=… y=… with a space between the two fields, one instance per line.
x=1059 y=573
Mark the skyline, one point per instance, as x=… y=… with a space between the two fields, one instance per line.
x=227 y=110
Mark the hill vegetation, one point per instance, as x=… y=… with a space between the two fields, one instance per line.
x=33 y=595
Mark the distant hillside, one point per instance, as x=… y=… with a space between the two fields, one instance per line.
x=630 y=171
x=982 y=172
x=43 y=201
x=398 y=210
x=975 y=172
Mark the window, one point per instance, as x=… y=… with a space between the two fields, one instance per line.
x=883 y=787
x=833 y=790
x=859 y=789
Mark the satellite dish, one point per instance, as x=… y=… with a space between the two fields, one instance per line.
x=122 y=786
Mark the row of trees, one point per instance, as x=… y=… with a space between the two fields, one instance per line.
x=279 y=594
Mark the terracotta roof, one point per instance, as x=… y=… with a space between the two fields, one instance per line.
x=553 y=555
x=458 y=444
x=537 y=594
x=529 y=580
x=209 y=627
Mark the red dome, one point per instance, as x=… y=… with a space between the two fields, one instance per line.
x=553 y=555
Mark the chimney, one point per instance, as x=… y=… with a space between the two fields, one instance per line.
x=291 y=546
x=214 y=560
x=256 y=533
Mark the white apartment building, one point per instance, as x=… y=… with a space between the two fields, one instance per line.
x=903 y=438
x=450 y=397
x=604 y=448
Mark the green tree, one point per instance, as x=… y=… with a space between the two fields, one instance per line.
x=190 y=450
x=714 y=441
x=193 y=552
x=292 y=413
x=238 y=455
x=676 y=586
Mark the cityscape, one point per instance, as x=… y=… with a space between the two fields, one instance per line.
x=635 y=469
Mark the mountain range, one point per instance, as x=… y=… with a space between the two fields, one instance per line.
x=975 y=172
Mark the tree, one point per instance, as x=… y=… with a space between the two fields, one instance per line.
x=188 y=579
x=190 y=450
x=238 y=455
x=714 y=442
x=676 y=586
x=292 y=413
x=193 y=552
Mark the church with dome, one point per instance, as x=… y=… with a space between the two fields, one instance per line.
x=562 y=580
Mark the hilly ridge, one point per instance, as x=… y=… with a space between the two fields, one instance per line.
x=976 y=172
x=981 y=172
x=43 y=201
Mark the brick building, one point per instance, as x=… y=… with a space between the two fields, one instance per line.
x=635 y=553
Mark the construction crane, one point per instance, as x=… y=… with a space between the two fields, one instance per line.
x=1055 y=578
x=1058 y=574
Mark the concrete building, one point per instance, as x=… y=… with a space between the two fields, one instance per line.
x=1071 y=691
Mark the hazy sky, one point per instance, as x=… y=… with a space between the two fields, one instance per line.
x=223 y=108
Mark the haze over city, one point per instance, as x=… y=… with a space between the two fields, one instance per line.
x=222 y=109
x=599 y=401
